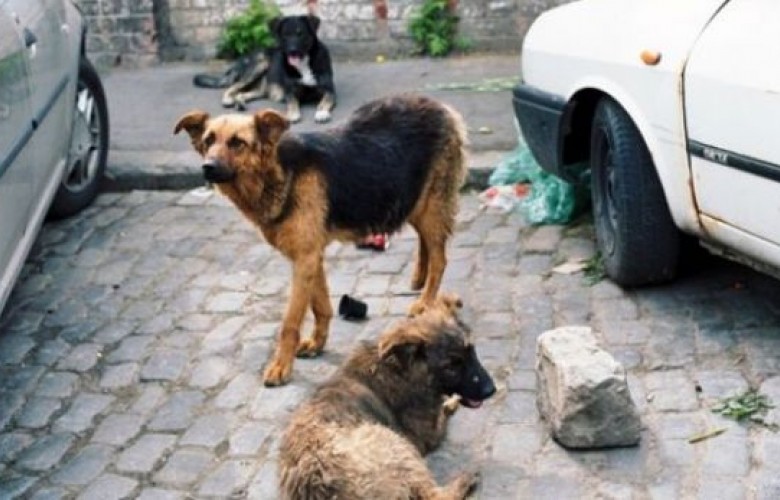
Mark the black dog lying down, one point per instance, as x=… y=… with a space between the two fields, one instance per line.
x=297 y=70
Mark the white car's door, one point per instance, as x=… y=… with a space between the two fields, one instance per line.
x=51 y=67
x=732 y=105
x=15 y=135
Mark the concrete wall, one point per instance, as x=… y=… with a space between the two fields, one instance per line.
x=142 y=32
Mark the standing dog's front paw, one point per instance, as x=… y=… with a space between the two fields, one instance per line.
x=277 y=373
x=308 y=348
x=322 y=116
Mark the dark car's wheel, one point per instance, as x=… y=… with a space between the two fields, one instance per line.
x=636 y=235
x=88 y=146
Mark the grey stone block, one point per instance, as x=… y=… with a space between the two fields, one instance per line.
x=118 y=429
x=46 y=452
x=184 y=467
x=144 y=455
x=109 y=487
x=84 y=467
x=82 y=411
x=583 y=394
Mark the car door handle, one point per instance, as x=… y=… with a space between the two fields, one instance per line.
x=29 y=37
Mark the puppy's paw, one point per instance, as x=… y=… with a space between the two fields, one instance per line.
x=277 y=373
x=308 y=348
x=451 y=405
x=322 y=116
x=228 y=102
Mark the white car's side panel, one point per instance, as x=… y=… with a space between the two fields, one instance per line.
x=732 y=88
x=563 y=54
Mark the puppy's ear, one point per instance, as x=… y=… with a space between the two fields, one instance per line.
x=402 y=344
x=314 y=23
x=270 y=125
x=194 y=123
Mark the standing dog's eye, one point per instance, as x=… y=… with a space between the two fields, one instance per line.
x=236 y=143
x=208 y=140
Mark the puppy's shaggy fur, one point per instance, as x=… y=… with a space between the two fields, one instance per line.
x=363 y=433
x=399 y=159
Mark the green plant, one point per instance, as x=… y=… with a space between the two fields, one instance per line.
x=747 y=406
x=433 y=27
x=248 y=31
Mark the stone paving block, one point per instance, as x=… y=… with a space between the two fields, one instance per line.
x=265 y=483
x=184 y=467
x=131 y=349
x=150 y=396
x=14 y=348
x=20 y=380
x=114 y=332
x=238 y=392
x=555 y=486
x=109 y=487
x=226 y=302
x=11 y=443
x=229 y=479
x=248 y=439
x=160 y=494
x=207 y=430
x=209 y=372
x=15 y=487
x=543 y=239
x=165 y=365
x=38 y=411
x=274 y=403
x=671 y=391
x=45 y=452
x=719 y=384
x=56 y=493
x=82 y=358
x=177 y=413
x=519 y=407
x=516 y=444
x=84 y=408
x=58 y=385
x=51 y=351
x=372 y=285
x=120 y=376
x=145 y=453
x=118 y=429
x=84 y=467
x=502 y=480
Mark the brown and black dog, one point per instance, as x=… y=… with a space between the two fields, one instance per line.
x=363 y=433
x=399 y=159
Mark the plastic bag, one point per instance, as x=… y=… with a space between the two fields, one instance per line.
x=551 y=200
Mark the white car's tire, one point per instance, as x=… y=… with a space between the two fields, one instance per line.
x=88 y=147
x=635 y=233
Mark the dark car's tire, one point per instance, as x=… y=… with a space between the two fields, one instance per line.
x=88 y=146
x=635 y=233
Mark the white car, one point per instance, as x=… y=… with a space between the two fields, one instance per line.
x=53 y=124
x=674 y=106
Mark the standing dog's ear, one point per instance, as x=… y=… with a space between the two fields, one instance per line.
x=194 y=123
x=313 y=21
x=270 y=125
x=274 y=25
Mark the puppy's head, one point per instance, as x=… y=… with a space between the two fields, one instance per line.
x=296 y=36
x=233 y=145
x=435 y=348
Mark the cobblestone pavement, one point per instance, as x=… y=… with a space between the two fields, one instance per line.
x=132 y=347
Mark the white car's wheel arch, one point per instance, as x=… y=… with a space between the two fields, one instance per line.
x=669 y=152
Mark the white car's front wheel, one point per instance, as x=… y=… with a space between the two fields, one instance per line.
x=635 y=233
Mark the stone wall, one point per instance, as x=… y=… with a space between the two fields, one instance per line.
x=142 y=32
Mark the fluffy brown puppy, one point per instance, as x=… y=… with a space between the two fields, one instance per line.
x=399 y=159
x=363 y=434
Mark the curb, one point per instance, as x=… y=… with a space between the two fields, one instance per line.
x=150 y=175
